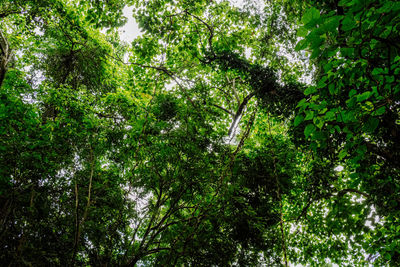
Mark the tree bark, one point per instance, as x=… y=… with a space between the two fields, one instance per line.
x=5 y=56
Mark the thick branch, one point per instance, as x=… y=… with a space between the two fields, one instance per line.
x=89 y=189
x=5 y=56
x=239 y=112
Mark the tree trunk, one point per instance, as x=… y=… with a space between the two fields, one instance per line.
x=5 y=56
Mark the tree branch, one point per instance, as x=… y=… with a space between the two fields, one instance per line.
x=5 y=56
x=210 y=29
x=224 y=109
x=239 y=112
x=80 y=224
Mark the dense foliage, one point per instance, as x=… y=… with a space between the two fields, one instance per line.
x=266 y=134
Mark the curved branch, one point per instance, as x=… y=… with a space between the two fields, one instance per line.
x=210 y=29
x=239 y=112
x=224 y=109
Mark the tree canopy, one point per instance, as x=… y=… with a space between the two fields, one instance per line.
x=260 y=134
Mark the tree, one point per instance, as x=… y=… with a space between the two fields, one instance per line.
x=202 y=142
x=353 y=106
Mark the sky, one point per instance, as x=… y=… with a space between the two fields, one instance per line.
x=131 y=29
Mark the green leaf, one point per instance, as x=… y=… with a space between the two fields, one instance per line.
x=311 y=14
x=316 y=52
x=388 y=256
x=302 y=32
x=347 y=52
x=364 y=96
x=332 y=24
x=321 y=83
x=302 y=44
x=352 y=92
x=309 y=115
x=318 y=122
x=342 y=154
x=322 y=110
x=302 y=103
x=330 y=116
x=348 y=23
x=354 y=175
x=345 y=2
x=315 y=39
x=327 y=67
x=351 y=102
x=333 y=90
x=371 y=124
x=310 y=128
x=299 y=119
x=348 y=116
x=377 y=71
x=380 y=111
x=361 y=150
x=310 y=90
x=386 y=7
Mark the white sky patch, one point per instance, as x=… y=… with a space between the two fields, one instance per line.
x=241 y=4
x=339 y=168
x=38 y=31
x=248 y=52
x=130 y=30
x=169 y=86
x=237 y=3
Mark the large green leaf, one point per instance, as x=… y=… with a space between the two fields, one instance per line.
x=312 y=14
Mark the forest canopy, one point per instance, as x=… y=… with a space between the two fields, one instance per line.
x=260 y=134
